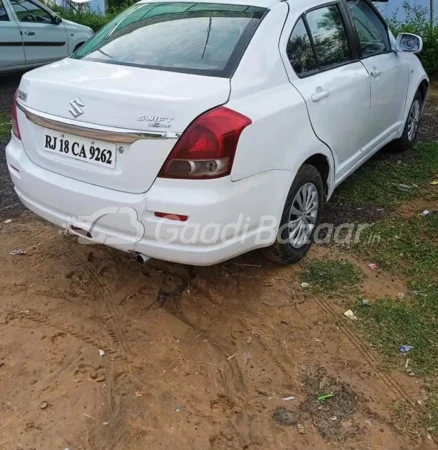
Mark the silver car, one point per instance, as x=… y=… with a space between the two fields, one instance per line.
x=32 y=35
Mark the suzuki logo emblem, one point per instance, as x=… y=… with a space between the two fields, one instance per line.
x=76 y=109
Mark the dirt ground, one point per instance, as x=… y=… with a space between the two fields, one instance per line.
x=98 y=352
x=194 y=357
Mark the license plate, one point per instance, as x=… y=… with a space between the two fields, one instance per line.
x=83 y=149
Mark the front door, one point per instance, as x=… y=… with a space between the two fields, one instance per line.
x=336 y=88
x=389 y=73
x=11 y=45
x=44 y=41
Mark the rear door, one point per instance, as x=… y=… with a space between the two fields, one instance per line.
x=11 y=45
x=334 y=84
x=44 y=41
x=389 y=73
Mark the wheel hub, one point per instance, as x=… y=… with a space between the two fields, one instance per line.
x=414 y=120
x=303 y=215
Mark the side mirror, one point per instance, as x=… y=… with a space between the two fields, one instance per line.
x=409 y=43
x=56 y=20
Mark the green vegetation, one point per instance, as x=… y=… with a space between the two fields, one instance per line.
x=5 y=125
x=413 y=321
x=408 y=248
x=388 y=324
x=378 y=181
x=417 y=22
x=331 y=276
x=89 y=19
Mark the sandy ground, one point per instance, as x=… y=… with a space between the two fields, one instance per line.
x=194 y=358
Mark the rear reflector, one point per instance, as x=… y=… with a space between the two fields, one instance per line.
x=177 y=217
x=15 y=128
x=208 y=146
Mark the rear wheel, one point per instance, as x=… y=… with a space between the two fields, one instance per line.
x=410 y=132
x=301 y=216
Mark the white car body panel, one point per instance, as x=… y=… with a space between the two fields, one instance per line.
x=273 y=104
x=221 y=201
x=416 y=76
x=93 y=83
x=36 y=43
x=360 y=115
x=347 y=105
x=388 y=95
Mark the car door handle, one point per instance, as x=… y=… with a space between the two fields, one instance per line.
x=29 y=33
x=320 y=94
x=375 y=72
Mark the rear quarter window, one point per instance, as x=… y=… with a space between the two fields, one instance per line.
x=198 y=38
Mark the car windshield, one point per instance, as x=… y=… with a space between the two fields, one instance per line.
x=198 y=38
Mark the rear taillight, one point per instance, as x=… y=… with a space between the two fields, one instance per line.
x=207 y=148
x=15 y=128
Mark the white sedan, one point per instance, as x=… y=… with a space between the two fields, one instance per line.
x=32 y=35
x=195 y=132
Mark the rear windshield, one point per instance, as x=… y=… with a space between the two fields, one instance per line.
x=199 y=38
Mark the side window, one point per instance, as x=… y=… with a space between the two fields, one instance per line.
x=28 y=11
x=299 y=50
x=3 y=14
x=329 y=36
x=373 y=36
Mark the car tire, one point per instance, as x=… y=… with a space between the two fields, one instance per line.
x=410 y=132
x=307 y=186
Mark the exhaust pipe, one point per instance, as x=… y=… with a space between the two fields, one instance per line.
x=141 y=258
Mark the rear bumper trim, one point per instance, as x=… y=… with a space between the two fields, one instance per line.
x=108 y=134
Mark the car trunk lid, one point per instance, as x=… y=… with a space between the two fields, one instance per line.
x=136 y=113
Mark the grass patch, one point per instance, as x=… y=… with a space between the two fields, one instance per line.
x=331 y=276
x=411 y=423
x=410 y=247
x=5 y=124
x=430 y=420
x=390 y=324
x=376 y=182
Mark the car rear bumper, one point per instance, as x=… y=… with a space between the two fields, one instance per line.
x=225 y=218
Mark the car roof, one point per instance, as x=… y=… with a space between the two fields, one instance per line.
x=296 y=5
x=259 y=3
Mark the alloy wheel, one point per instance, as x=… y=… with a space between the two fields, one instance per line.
x=414 y=120
x=303 y=215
